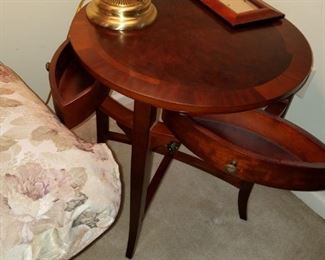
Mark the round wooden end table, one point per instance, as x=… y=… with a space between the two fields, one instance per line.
x=189 y=60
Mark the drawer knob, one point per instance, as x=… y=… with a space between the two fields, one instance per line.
x=231 y=167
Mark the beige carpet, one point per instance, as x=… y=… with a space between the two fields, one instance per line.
x=194 y=216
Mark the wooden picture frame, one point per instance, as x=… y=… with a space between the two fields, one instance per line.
x=238 y=12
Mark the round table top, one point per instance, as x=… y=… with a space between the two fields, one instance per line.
x=190 y=60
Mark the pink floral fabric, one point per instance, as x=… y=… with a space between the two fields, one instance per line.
x=57 y=192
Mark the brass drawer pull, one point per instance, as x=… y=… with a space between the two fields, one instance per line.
x=231 y=167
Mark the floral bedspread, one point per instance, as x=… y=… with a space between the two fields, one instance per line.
x=57 y=192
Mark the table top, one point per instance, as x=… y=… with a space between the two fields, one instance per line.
x=190 y=60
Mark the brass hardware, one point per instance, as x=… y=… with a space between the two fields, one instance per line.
x=172 y=147
x=80 y=5
x=47 y=66
x=231 y=167
x=121 y=14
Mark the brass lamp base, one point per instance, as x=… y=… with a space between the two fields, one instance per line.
x=121 y=14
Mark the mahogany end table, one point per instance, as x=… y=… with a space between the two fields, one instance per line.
x=189 y=61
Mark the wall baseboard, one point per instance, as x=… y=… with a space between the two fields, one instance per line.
x=124 y=100
x=314 y=200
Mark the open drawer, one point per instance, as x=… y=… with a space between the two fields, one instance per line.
x=76 y=94
x=254 y=146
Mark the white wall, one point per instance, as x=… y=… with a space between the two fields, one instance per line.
x=31 y=30
x=309 y=112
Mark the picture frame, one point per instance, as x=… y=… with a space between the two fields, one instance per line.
x=240 y=12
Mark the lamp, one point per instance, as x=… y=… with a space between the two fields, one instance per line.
x=121 y=14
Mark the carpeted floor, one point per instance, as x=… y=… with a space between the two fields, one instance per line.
x=194 y=216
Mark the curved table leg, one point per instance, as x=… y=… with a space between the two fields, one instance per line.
x=243 y=196
x=143 y=118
